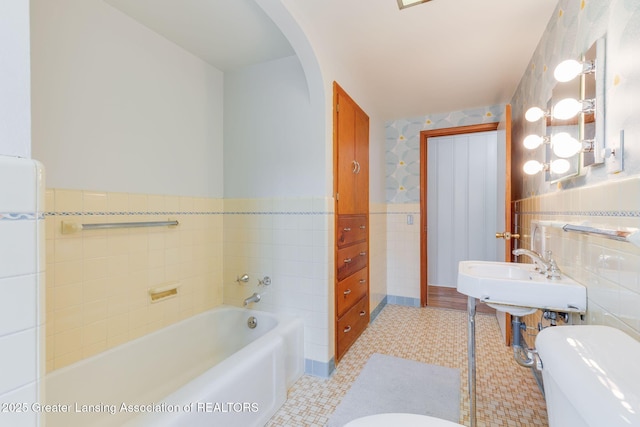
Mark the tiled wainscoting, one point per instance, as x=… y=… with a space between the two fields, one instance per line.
x=609 y=269
x=98 y=280
x=22 y=280
x=403 y=253
x=287 y=240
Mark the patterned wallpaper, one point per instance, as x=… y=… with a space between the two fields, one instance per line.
x=403 y=147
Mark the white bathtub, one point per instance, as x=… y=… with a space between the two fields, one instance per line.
x=208 y=370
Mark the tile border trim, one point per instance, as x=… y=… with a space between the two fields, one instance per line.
x=21 y=216
x=617 y=214
x=319 y=369
x=406 y=301
x=184 y=213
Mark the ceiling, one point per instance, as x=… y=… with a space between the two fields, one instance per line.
x=436 y=57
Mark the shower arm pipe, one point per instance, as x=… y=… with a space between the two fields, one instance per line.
x=73 y=227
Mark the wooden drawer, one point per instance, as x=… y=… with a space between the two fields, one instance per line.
x=351 y=259
x=350 y=290
x=351 y=229
x=351 y=325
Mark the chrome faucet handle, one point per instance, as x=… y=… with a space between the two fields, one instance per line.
x=553 y=272
x=547 y=255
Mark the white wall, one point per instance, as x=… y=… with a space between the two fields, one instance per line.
x=117 y=107
x=271 y=147
x=15 y=114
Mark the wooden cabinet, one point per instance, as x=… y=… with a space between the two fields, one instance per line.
x=351 y=166
x=352 y=148
x=351 y=229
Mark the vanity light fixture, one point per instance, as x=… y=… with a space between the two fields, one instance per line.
x=559 y=166
x=403 y=4
x=532 y=142
x=565 y=146
x=570 y=69
x=534 y=114
x=569 y=108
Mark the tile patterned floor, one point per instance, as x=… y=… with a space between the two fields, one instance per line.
x=508 y=395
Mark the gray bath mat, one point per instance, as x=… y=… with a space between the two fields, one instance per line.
x=391 y=384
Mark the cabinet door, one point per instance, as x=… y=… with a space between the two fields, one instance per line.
x=346 y=154
x=362 y=159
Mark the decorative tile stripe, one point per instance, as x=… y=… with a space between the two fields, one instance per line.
x=396 y=213
x=181 y=213
x=21 y=216
x=619 y=214
x=278 y=213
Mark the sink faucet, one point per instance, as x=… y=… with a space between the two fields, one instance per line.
x=253 y=298
x=547 y=265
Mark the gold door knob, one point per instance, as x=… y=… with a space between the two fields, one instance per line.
x=507 y=235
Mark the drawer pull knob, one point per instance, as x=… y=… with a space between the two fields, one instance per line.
x=347 y=229
x=347 y=329
x=363 y=280
x=362 y=227
x=362 y=313
x=347 y=292
x=363 y=253
x=347 y=261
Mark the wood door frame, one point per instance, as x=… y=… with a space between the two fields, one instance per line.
x=508 y=207
x=424 y=140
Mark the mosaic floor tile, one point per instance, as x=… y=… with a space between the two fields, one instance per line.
x=507 y=394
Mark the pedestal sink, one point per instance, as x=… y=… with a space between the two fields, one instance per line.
x=517 y=289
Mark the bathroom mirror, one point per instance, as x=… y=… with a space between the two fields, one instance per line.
x=592 y=85
x=562 y=168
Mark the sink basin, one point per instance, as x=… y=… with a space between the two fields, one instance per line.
x=519 y=289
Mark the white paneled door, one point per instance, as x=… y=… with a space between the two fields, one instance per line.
x=465 y=181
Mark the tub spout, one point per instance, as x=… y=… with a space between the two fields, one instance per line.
x=253 y=298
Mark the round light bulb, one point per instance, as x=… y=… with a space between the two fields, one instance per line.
x=532 y=167
x=564 y=145
x=567 y=108
x=567 y=70
x=560 y=166
x=532 y=142
x=534 y=114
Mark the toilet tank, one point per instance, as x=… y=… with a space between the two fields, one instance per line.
x=591 y=376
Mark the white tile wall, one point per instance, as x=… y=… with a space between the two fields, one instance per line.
x=21 y=285
x=403 y=250
x=287 y=240
x=377 y=254
x=609 y=269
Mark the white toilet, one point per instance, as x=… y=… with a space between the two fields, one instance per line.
x=591 y=379
x=400 y=420
x=591 y=376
